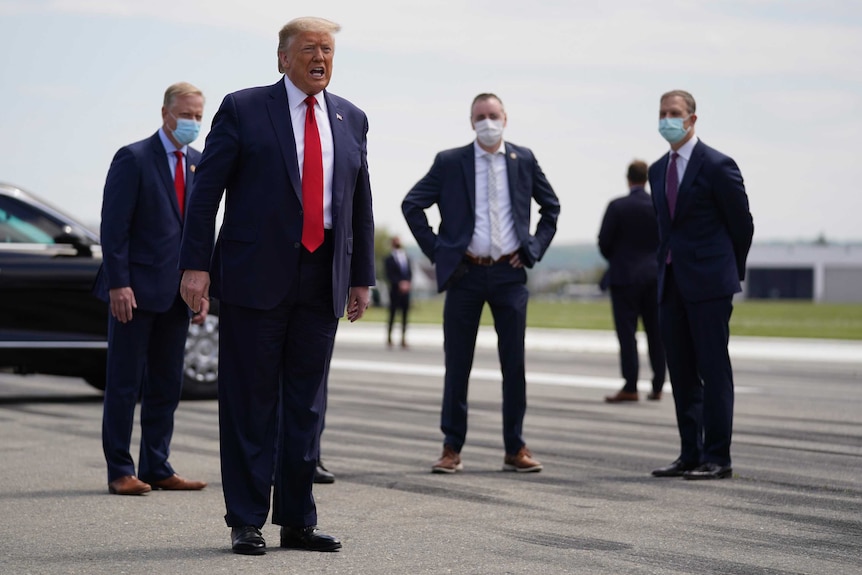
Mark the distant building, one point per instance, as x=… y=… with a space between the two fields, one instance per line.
x=814 y=272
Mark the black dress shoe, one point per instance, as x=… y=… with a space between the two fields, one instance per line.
x=675 y=469
x=308 y=538
x=709 y=471
x=322 y=474
x=247 y=540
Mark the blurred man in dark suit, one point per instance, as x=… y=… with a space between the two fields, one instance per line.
x=398 y=276
x=628 y=239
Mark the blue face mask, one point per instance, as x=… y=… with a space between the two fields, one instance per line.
x=671 y=129
x=187 y=131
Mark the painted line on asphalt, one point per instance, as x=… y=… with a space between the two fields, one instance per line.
x=533 y=377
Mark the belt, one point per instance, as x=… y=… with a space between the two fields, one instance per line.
x=486 y=260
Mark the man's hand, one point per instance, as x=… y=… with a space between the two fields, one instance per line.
x=515 y=261
x=195 y=290
x=357 y=302
x=122 y=303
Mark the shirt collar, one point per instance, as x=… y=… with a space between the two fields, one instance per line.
x=686 y=149
x=479 y=152
x=296 y=97
x=169 y=146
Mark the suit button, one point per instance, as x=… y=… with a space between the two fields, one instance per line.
x=296 y=245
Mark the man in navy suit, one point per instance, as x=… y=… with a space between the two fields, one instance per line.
x=484 y=192
x=295 y=249
x=398 y=276
x=705 y=232
x=628 y=239
x=142 y=223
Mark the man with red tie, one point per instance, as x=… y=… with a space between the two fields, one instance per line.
x=295 y=251
x=142 y=223
x=705 y=232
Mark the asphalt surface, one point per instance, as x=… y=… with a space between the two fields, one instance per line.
x=793 y=506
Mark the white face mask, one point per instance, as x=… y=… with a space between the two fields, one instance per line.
x=489 y=132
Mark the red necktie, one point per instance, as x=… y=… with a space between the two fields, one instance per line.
x=180 y=182
x=312 y=182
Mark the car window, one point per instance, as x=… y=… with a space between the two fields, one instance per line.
x=20 y=223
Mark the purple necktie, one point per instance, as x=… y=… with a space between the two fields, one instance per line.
x=671 y=190
x=672 y=186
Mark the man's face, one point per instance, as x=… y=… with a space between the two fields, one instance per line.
x=490 y=109
x=308 y=61
x=674 y=107
x=188 y=106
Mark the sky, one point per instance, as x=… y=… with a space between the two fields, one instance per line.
x=778 y=85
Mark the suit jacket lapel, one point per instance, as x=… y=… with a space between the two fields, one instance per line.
x=659 y=192
x=695 y=162
x=336 y=123
x=163 y=168
x=468 y=167
x=279 y=114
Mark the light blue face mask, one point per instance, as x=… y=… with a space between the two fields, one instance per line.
x=671 y=129
x=187 y=130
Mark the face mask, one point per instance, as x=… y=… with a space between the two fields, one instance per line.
x=187 y=130
x=489 y=132
x=671 y=129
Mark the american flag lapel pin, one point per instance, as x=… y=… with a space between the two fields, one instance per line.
x=337 y=115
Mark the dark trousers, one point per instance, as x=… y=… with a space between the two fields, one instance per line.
x=630 y=302
x=695 y=336
x=272 y=398
x=398 y=302
x=504 y=289
x=145 y=361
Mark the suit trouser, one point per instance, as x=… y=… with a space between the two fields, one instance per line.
x=628 y=302
x=504 y=289
x=272 y=371
x=145 y=361
x=696 y=335
x=397 y=302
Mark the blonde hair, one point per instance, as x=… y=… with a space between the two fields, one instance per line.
x=299 y=25
x=180 y=89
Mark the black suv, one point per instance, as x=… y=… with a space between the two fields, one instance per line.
x=49 y=320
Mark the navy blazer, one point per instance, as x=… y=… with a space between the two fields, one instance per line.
x=711 y=232
x=250 y=156
x=394 y=272
x=628 y=239
x=451 y=184
x=142 y=226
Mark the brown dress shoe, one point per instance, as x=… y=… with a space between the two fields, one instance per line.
x=177 y=483
x=522 y=462
x=622 y=396
x=128 y=485
x=449 y=462
x=654 y=396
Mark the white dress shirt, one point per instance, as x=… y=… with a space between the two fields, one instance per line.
x=480 y=244
x=296 y=102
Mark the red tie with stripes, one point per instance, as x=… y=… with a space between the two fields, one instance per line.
x=312 y=182
x=180 y=182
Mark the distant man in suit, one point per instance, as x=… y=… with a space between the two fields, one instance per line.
x=628 y=239
x=296 y=248
x=142 y=222
x=484 y=192
x=398 y=276
x=705 y=232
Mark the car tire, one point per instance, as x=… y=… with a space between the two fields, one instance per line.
x=200 y=368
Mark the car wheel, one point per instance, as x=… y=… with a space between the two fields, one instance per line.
x=200 y=368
